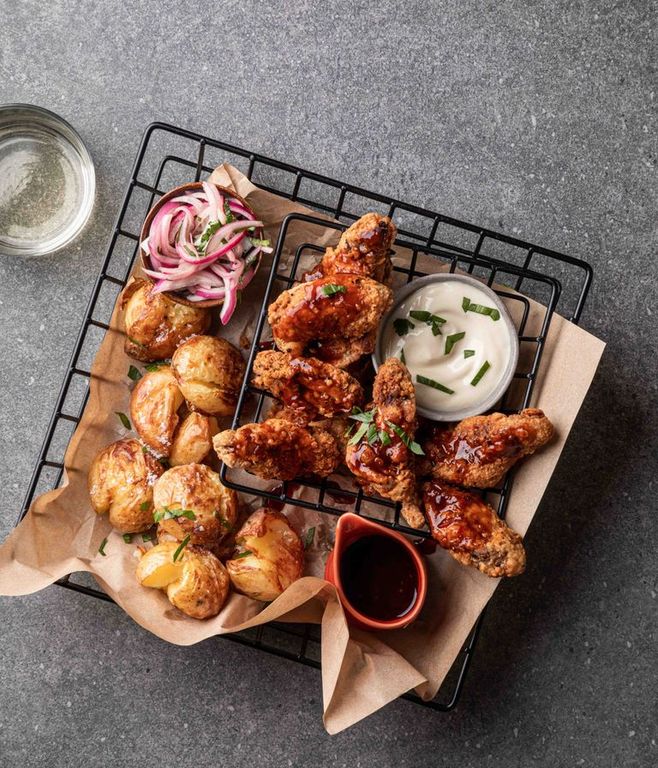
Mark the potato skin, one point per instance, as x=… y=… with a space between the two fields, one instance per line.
x=202 y=584
x=154 y=405
x=193 y=439
x=195 y=487
x=275 y=559
x=120 y=482
x=209 y=372
x=156 y=325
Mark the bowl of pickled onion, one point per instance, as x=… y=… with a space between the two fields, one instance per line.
x=201 y=245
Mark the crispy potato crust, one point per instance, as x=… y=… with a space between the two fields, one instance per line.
x=196 y=583
x=156 y=325
x=270 y=556
x=154 y=405
x=209 y=372
x=120 y=482
x=198 y=488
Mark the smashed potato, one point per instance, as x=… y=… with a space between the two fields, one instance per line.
x=154 y=405
x=196 y=582
x=121 y=479
x=190 y=500
x=156 y=325
x=193 y=439
x=270 y=556
x=209 y=372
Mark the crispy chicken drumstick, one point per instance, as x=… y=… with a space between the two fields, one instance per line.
x=306 y=385
x=334 y=318
x=363 y=249
x=471 y=531
x=382 y=459
x=477 y=452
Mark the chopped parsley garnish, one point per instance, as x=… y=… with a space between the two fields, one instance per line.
x=372 y=434
x=435 y=384
x=369 y=430
x=384 y=437
x=469 y=306
x=123 y=419
x=360 y=432
x=144 y=506
x=128 y=537
x=310 y=535
x=365 y=416
x=190 y=252
x=402 y=326
x=412 y=445
x=330 y=289
x=156 y=366
x=452 y=340
x=485 y=367
x=147 y=537
x=243 y=554
x=202 y=241
x=228 y=212
x=181 y=547
x=262 y=243
x=366 y=419
x=101 y=549
x=434 y=321
x=468 y=353
x=134 y=374
x=171 y=514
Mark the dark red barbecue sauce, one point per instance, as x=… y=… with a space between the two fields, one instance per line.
x=379 y=578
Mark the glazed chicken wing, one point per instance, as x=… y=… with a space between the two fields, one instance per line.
x=278 y=449
x=340 y=312
x=477 y=452
x=471 y=531
x=363 y=249
x=381 y=459
x=305 y=384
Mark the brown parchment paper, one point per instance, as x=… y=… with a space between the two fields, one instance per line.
x=361 y=672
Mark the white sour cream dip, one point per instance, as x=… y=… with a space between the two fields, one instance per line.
x=425 y=331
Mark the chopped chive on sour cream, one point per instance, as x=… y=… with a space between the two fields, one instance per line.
x=449 y=335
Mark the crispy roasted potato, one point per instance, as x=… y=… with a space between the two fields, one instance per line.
x=154 y=405
x=211 y=508
x=193 y=439
x=156 y=325
x=270 y=556
x=196 y=582
x=121 y=479
x=209 y=372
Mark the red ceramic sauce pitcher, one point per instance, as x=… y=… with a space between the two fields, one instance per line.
x=379 y=575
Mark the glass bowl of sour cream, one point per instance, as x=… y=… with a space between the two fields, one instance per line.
x=457 y=340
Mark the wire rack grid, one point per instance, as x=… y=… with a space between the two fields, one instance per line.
x=168 y=156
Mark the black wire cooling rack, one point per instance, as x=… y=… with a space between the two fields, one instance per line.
x=169 y=156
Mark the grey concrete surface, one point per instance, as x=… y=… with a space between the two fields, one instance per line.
x=536 y=118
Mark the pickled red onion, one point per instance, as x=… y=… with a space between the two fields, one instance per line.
x=201 y=244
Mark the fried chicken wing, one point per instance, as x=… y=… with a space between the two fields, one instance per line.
x=306 y=384
x=363 y=249
x=477 y=452
x=334 y=318
x=381 y=460
x=278 y=449
x=471 y=531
